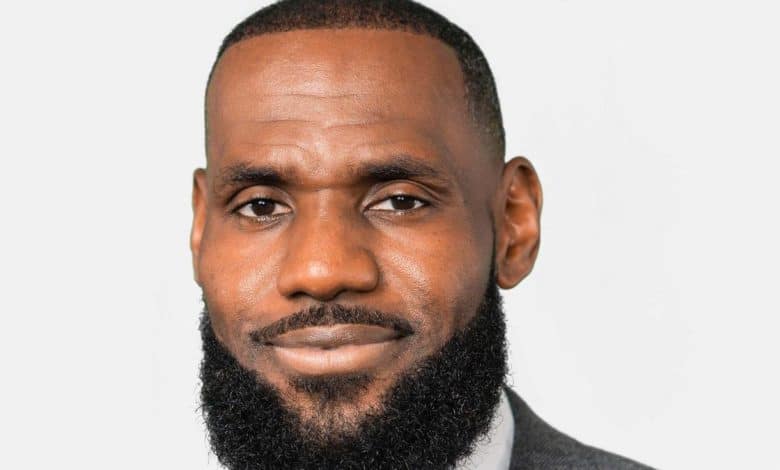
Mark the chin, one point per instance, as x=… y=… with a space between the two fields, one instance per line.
x=336 y=405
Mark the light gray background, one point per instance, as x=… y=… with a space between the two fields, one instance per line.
x=648 y=326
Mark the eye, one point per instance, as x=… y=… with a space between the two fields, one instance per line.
x=400 y=203
x=262 y=209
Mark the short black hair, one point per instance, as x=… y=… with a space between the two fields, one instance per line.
x=404 y=15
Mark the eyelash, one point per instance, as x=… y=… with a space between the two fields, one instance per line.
x=259 y=218
x=423 y=203
x=271 y=217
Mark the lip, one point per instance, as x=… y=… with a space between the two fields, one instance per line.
x=336 y=349
x=335 y=336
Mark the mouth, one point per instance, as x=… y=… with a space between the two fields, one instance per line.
x=336 y=349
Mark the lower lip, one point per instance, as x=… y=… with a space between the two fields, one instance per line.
x=345 y=359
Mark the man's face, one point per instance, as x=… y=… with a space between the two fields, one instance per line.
x=341 y=176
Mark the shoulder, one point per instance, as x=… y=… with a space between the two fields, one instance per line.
x=537 y=445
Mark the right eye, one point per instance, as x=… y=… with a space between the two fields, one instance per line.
x=262 y=209
x=399 y=203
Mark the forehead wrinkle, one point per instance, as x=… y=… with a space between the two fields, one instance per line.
x=295 y=94
x=349 y=132
x=381 y=146
x=324 y=109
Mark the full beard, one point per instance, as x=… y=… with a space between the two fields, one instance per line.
x=431 y=418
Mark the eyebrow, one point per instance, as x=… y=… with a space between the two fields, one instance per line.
x=245 y=174
x=399 y=167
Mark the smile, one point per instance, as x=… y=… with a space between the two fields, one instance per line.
x=336 y=349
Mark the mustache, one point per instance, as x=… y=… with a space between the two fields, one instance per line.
x=328 y=315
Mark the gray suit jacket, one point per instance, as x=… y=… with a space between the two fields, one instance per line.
x=538 y=446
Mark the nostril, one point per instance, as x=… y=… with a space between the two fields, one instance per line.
x=317 y=294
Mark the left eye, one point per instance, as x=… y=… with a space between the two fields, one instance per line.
x=399 y=204
x=262 y=208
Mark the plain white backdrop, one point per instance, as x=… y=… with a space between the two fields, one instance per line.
x=648 y=327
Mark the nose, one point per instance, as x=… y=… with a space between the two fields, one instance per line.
x=325 y=258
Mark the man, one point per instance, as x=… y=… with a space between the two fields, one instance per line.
x=350 y=233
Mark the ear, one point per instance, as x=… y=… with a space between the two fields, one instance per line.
x=199 y=200
x=519 y=208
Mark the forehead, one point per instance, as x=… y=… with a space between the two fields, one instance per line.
x=337 y=92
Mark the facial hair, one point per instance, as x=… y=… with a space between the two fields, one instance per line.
x=431 y=418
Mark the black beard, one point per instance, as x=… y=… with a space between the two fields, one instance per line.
x=431 y=418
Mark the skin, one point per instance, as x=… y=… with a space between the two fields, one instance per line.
x=321 y=108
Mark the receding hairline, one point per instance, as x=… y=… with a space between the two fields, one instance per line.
x=446 y=48
x=476 y=77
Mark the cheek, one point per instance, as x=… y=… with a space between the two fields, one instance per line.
x=441 y=275
x=237 y=273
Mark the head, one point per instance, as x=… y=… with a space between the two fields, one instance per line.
x=353 y=223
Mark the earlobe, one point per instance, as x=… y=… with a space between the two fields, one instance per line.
x=199 y=198
x=518 y=230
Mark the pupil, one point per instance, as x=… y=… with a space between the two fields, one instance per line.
x=402 y=203
x=262 y=207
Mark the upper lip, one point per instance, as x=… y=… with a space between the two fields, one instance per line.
x=334 y=336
